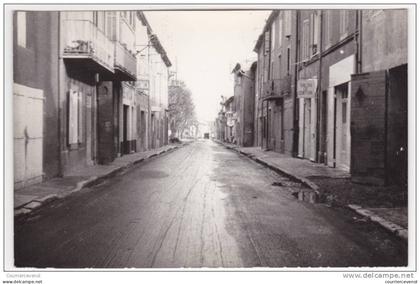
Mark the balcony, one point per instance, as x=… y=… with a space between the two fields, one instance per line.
x=125 y=63
x=277 y=88
x=84 y=43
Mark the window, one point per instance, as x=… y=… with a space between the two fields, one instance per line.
x=287 y=23
x=131 y=18
x=21 y=28
x=314 y=36
x=75 y=118
x=238 y=80
x=280 y=32
x=272 y=70
x=305 y=39
x=288 y=61
x=343 y=23
x=99 y=20
x=327 y=28
x=273 y=36
x=266 y=43
x=280 y=65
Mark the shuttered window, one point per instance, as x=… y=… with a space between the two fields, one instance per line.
x=343 y=23
x=314 y=33
x=305 y=39
x=266 y=43
x=21 y=28
x=327 y=28
x=287 y=23
x=111 y=25
x=75 y=118
x=280 y=32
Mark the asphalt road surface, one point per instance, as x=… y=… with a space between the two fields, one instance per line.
x=199 y=206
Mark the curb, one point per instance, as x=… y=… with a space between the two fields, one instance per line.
x=91 y=181
x=387 y=225
x=290 y=175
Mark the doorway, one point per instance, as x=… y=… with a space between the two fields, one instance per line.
x=342 y=126
x=125 y=142
x=143 y=130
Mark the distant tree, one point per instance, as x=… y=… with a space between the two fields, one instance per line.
x=181 y=109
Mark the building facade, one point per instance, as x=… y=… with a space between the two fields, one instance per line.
x=244 y=93
x=75 y=72
x=275 y=84
x=326 y=63
x=157 y=82
x=331 y=87
x=35 y=91
x=379 y=100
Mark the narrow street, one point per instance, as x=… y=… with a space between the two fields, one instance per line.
x=199 y=206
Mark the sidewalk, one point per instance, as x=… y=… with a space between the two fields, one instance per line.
x=385 y=205
x=29 y=198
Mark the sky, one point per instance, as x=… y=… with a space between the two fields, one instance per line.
x=204 y=47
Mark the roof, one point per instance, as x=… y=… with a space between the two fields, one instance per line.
x=267 y=26
x=154 y=39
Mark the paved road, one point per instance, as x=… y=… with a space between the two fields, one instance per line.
x=200 y=206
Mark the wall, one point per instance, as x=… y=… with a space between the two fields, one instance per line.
x=336 y=45
x=73 y=156
x=385 y=39
x=36 y=66
x=368 y=127
x=248 y=109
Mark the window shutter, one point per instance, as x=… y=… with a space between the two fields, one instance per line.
x=273 y=36
x=21 y=28
x=266 y=43
x=80 y=124
x=280 y=32
x=316 y=29
x=305 y=39
x=287 y=23
x=73 y=117
x=111 y=23
x=311 y=29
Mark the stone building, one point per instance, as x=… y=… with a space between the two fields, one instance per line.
x=327 y=60
x=156 y=79
x=275 y=81
x=244 y=93
x=331 y=87
x=76 y=102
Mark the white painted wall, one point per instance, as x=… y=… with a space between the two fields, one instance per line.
x=28 y=135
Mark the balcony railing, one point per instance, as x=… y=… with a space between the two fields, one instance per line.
x=125 y=61
x=82 y=39
x=277 y=87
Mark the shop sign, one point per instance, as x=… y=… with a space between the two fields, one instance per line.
x=306 y=88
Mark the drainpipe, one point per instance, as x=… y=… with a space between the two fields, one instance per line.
x=59 y=86
x=319 y=93
x=359 y=35
x=295 y=99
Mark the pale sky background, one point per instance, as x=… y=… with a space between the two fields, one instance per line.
x=205 y=46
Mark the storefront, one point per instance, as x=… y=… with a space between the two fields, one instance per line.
x=339 y=109
x=128 y=121
x=307 y=118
